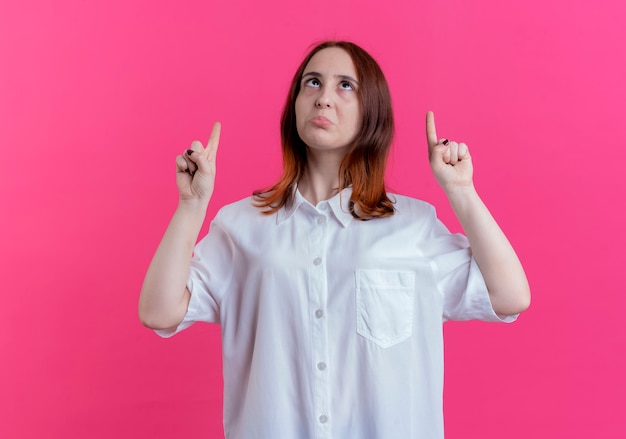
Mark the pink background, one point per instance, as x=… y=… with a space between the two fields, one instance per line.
x=97 y=98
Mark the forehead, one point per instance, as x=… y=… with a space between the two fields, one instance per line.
x=331 y=61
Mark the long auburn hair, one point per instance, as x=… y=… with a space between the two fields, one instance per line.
x=363 y=166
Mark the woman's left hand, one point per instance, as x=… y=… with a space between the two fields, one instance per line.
x=503 y=273
x=450 y=161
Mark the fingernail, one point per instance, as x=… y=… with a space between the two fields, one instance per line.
x=189 y=151
x=445 y=142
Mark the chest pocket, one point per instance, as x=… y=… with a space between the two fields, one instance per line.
x=384 y=305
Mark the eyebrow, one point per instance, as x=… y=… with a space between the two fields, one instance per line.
x=343 y=77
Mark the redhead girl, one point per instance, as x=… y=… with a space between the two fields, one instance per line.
x=331 y=292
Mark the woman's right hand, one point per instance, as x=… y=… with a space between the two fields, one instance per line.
x=195 y=169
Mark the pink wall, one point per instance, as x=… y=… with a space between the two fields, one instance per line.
x=97 y=98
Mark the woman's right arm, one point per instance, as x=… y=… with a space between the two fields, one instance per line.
x=164 y=296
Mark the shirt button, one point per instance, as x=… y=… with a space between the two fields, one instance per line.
x=317 y=261
x=320 y=219
x=323 y=419
x=321 y=365
x=319 y=313
x=324 y=206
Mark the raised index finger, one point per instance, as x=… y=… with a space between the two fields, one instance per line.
x=214 y=140
x=431 y=131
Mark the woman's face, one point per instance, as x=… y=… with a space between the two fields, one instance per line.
x=328 y=114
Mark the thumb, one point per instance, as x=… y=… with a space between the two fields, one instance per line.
x=437 y=153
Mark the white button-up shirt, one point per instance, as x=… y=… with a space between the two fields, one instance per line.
x=331 y=326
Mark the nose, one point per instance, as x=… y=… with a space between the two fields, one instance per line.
x=324 y=100
x=322 y=103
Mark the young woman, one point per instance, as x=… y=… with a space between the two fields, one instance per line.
x=331 y=293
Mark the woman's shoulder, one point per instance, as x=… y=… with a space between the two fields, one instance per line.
x=241 y=212
x=409 y=205
x=238 y=208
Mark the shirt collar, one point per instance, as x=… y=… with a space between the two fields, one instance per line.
x=339 y=204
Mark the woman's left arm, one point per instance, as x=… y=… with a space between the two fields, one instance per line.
x=503 y=273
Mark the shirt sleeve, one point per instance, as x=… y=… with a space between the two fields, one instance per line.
x=210 y=273
x=459 y=279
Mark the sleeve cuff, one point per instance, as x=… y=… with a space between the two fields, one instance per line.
x=190 y=316
x=481 y=298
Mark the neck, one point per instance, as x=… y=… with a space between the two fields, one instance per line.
x=321 y=177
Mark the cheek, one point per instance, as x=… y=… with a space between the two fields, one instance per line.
x=300 y=106
x=356 y=117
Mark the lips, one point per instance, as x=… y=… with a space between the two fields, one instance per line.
x=321 y=121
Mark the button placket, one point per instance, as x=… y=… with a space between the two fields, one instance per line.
x=318 y=323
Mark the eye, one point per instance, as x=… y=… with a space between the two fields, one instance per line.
x=312 y=82
x=346 y=85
